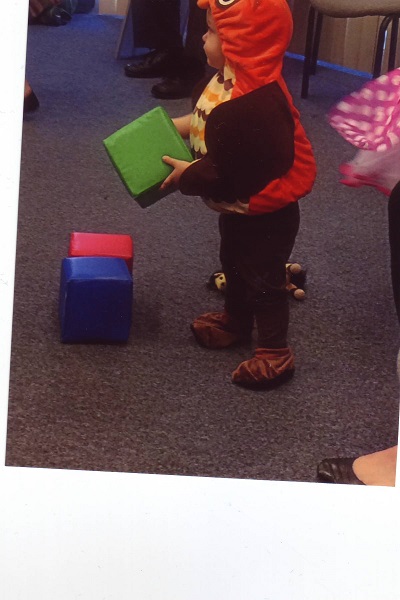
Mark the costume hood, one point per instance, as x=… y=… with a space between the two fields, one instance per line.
x=254 y=35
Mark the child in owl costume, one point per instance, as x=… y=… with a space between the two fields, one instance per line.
x=253 y=162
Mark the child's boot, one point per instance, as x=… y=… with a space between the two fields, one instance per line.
x=220 y=330
x=268 y=368
x=273 y=361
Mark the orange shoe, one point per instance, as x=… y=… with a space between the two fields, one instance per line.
x=268 y=368
x=219 y=330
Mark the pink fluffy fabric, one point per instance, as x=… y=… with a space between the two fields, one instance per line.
x=369 y=119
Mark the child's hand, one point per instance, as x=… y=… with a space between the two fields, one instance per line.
x=179 y=167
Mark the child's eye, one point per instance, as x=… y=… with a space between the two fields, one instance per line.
x=225 y=3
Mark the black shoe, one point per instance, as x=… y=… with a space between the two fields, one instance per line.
x=338 y=470
x=31 y=102
x=172 y=88
x=156 y=64
x=54 y=16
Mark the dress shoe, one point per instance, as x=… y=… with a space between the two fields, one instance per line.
x=269 y=368
x=54 y=16
x=173 y=88
x=31 y=102
x=338 y=470
x=155 y=64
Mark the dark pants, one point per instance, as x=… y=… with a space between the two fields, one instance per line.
x=156 y=25
x=254 y=252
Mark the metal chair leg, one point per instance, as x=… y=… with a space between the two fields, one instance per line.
x=308 y=52
x=393 y=43
x=380 y=44
x=317 y=39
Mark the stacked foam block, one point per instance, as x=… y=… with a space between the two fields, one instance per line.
x=96 y=288
x=136 y=152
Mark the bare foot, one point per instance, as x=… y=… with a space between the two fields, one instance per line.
x=378 y=468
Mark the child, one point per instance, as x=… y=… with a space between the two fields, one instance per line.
x=254 y=162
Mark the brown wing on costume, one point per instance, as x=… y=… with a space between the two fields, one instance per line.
x=250 y=142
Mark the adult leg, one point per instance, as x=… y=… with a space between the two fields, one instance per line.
x=196 y=28
x=182 y=76
x=156 y=25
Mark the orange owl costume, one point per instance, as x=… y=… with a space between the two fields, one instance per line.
x=254 y=163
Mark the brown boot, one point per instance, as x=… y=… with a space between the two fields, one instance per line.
x=267 y=369
x=219 y=330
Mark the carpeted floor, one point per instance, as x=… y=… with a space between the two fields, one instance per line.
x=161 y=404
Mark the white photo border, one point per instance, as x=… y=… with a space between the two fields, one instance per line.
x=76 y=534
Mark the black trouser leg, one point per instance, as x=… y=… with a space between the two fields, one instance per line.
x=236 y=302
x=196 y=28
x=156 y=24
x=254 y=253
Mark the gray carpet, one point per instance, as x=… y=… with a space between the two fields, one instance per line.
x=161 y=404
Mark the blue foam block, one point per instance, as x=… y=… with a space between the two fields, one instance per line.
x=96 y=296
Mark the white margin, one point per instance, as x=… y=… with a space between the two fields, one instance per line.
x=70 y=535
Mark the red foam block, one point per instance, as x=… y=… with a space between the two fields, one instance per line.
x=102 y=245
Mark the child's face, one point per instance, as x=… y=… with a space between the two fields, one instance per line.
x=212 y=44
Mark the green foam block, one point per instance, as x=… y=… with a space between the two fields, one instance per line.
x=136 y=152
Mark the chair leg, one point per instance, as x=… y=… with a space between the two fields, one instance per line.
x=393 y=43
x=380 y=44
x=317 y=39
x=308 y=52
